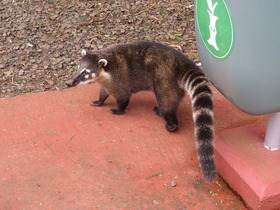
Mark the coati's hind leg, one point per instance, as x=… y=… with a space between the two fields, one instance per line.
x=171 y=120
x=103 y=95
x=167 y=108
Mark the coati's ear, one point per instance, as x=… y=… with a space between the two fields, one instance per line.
x=102 y=63
x=84 y=52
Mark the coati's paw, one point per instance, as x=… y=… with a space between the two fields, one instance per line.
x=157 y=111
x=171 y=127
x=117 y=111
x=96 y=103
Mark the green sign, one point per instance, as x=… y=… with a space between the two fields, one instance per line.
x=215 y=27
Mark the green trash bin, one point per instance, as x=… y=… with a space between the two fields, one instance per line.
x=239 y=48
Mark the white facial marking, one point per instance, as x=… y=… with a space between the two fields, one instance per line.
x=85 y=82
x=82 y=70
x=85 y=69
x=84 y=52
x=93 y=75
x=87 y=76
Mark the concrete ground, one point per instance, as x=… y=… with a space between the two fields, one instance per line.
x=58 y=152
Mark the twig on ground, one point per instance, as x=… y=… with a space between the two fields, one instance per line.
x=148 y=8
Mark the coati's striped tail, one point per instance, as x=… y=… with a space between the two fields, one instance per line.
x=196 y=84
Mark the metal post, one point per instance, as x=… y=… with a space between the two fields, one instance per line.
x=272 y=136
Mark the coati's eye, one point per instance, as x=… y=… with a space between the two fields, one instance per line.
x=87 y=73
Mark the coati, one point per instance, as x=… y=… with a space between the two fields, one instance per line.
x=124 y=69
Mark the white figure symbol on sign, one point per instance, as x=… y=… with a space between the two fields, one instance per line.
x=212 y=25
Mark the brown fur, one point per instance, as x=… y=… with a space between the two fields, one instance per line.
x=134 y=67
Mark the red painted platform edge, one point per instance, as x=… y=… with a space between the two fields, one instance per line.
x=238 y=154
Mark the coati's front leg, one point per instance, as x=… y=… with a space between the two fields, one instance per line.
x=103 y=95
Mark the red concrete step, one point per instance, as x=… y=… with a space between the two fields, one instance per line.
x=250 y=169
x=57 y=152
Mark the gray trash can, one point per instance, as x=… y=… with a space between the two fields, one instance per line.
x=239 y=48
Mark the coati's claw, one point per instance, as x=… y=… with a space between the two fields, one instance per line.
x=171 y=127
x=117 y=111
x=96 y=103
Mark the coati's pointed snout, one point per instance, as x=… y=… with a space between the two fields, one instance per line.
x=82 y=77
x=71 y=83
